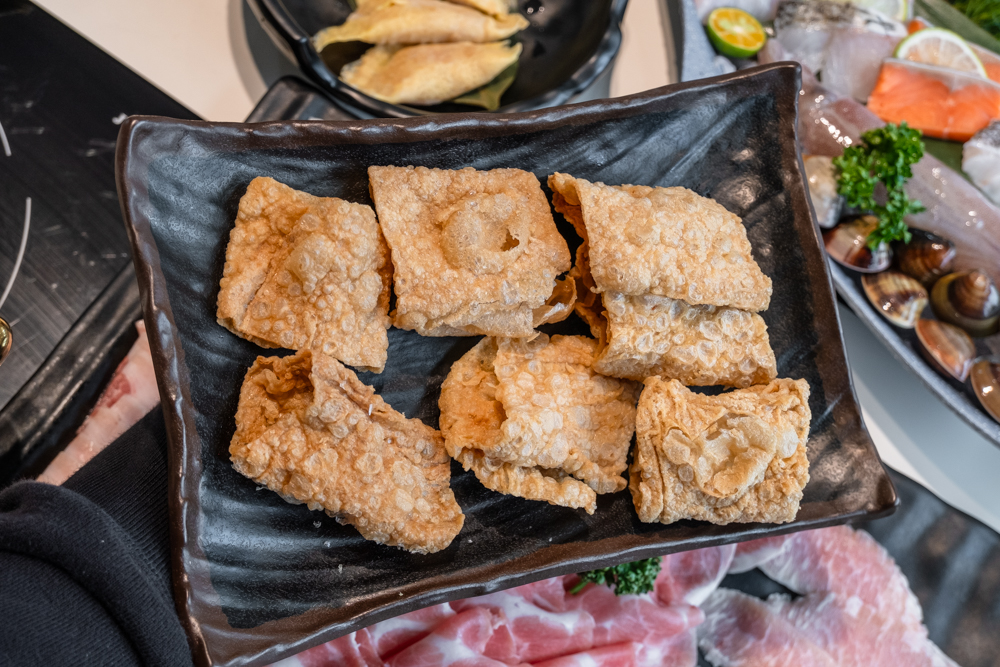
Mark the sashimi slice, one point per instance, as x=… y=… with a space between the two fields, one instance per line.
x=129 y=396
x=638 y=618
x=854 y=634
x=395 y=634
x=751 y=554
x=353 y=650
x=457 y=642
x=939 y=102
x=691 y=576
x=616 y=655
x=742 y=631
x=529 y=633
x=849 y=563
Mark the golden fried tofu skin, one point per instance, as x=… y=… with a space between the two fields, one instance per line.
x=475 y=252
x=309 y=430
x=428 y=74
x=664 y=242
x=419 y=22
x=697 y=345
x=643 y=333
x=498 y=8
x=304 y=271
x=533 y=419
x=737 y=457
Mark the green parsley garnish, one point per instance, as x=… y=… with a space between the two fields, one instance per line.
x=885 y=156
x=627 y=579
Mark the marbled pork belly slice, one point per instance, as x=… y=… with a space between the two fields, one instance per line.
x=742 y=631
x=457 y=642
x=689 y=577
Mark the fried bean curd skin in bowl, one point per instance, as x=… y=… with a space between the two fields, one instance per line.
x=533 y=419
x=311 y=431
x=475 y=252
x=307 y=272
x=497 y=8
x=641 y=331
x=735 y=457
x=428 y=74
x=419 y=22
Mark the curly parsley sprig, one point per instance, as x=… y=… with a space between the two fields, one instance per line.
x=627 y=578
x=886 y=155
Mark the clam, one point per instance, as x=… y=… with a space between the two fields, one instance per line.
x=948 y=349
x=847 y=244
x=968 y=299
x=822 y=180
x=897 y=296
x=985 y=376
x=926 y=257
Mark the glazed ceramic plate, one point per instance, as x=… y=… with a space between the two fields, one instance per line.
x=257 y=579
x=566 y=46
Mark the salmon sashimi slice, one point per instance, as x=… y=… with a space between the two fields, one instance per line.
x=941 y=103
x=742 y=631
x=690 y=577
x=855 y=635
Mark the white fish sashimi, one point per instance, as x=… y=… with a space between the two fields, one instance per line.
x=853 y=60
x=129 y=396
x=981 y=160
x=806 y=29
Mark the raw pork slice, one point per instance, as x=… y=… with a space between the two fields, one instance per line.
x=395 y=634
x=615 y=655
x=849 y=563
x=529 y=633
x=638 y=618
x=691 y=576
x=854 y=635
x=353 y=650
x=742 y=631
x=128 y=397
x=457 y=642
x=751 y=554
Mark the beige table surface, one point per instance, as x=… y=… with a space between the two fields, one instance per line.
x=211 y=56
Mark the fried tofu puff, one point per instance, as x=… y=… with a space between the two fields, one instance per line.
x=427 y=74
x=307 y=272
x=474 y=252
x=533 y=419
x=738 y=457
x=660 y=301
x=419 y=22
x=309 y=430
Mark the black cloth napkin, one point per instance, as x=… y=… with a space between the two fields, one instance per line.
x=84 y=568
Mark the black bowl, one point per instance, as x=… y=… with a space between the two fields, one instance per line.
x=567 y=45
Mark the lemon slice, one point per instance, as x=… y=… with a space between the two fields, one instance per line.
x=937 y=46
x=734 y=32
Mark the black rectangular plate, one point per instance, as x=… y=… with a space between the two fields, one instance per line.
x=257 y=579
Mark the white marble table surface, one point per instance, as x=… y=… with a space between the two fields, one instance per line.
x=211 y=56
